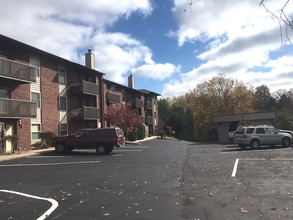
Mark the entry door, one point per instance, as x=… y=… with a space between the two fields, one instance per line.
x=8 y=145
x=1 y=147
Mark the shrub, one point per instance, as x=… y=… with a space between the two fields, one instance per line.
x=46 y=139
x=141 y=133
x=132 y=136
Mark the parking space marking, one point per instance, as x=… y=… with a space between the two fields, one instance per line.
x=255 y=159
x=48 y=164
x=48 y=212
x=128 y=150
x=235 y=168
x=135 y=147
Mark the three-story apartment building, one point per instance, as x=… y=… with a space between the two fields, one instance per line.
x=42 y=92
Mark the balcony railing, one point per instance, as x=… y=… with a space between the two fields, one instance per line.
x=85 y=113
x=149 y=105
x=137 y=103
x=85 y=87
x=17 y=71
x=149 y=120
x=113 y=98
x=10 y=108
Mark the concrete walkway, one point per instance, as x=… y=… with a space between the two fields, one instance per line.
x=19 y=154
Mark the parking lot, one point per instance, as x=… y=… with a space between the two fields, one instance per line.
x=158 y=179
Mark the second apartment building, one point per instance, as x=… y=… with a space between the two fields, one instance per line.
x=42 y=92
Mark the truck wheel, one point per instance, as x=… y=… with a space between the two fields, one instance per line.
x=60 y=148
x=110 y=149
x=286 y=142
x=101 y=149
x=254 y=144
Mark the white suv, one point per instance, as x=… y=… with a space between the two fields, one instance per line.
x=255 y=136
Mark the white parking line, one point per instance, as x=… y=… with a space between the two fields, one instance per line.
x=135 y=147
x=127 y=150
x=256 y=159
x=48 y=212
x=47 y=164
x=235 y=168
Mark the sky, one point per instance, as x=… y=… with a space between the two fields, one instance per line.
x=169 y=46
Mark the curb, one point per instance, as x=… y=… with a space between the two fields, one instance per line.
x=143 y=140
x=20 y=154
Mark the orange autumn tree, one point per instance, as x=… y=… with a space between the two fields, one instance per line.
x=124 y=117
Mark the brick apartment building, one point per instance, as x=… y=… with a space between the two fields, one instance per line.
x=42 y=92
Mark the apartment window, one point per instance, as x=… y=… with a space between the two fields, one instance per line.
x=36 y=130
x=62 y=75
x=63 y=129
x=63 y=103
x=4 y=93
x=35 y=62
x=36 y=97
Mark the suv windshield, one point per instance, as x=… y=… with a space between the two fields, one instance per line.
x=239 y=131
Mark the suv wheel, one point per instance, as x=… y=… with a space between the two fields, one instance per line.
x=60 y=148
x=254 y=144
x=101 y=149
x=286 y=142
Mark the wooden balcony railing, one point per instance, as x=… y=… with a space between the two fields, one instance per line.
x=85 y=113
x=113 y=98
x=17 y=71
x=10 y=108
x=85 y=87
x=149 y=120
x=137 y=103
x=149 y=105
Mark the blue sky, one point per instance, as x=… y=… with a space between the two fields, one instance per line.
x=169 y=46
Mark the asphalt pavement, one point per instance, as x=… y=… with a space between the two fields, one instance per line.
x=156 y=179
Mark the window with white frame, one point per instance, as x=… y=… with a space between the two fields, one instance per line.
x=63 y=103
x=63 y=129
x=36 y=97
x=61 y=75
x=36 y=130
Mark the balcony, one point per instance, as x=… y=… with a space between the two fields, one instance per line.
x=84 y=87
x=17 y=71
x=137 y=103
x=149 y=120
x=10 y=108
x=149 y=105
x=113 y=98
x=85 y=113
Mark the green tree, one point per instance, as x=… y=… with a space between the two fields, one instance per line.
x=284 y=120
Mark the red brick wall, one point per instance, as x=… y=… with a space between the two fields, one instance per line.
x=49 y=95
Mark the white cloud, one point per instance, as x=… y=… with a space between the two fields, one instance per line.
x=65 y=28
x=155 y=71
x=239 y=37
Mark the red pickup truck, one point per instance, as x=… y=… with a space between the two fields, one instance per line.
x=102 y=139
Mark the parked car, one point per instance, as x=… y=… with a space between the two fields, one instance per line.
x=255 y=136
x=102 y=139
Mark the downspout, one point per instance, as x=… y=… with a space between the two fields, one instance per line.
x=102 y=98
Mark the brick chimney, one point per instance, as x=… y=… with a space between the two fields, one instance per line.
x=90 y=59
x=131 y=81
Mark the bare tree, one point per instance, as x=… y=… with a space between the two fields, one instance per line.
x=284 y=18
